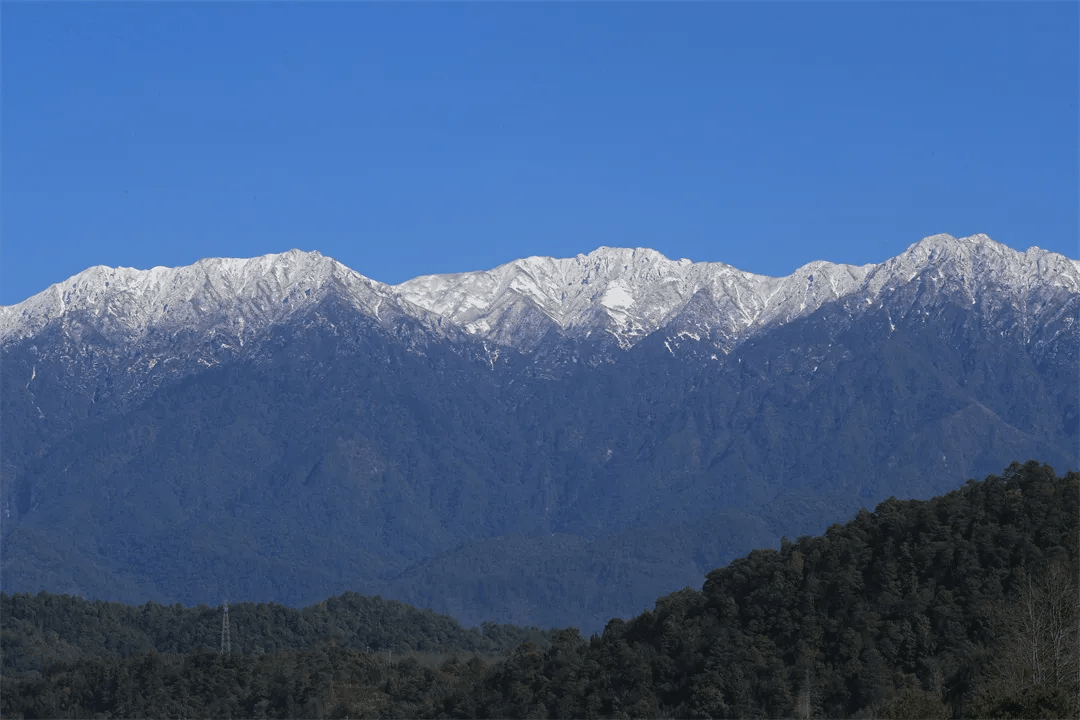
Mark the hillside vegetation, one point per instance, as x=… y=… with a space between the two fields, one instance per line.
x=961 y=606
x=40 y=630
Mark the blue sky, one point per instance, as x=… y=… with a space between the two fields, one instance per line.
x=441 y=137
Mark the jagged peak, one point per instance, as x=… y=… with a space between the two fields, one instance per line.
x=824 y=267
x=943 y=246
x=130 y=300
x=627 y=255
x=973 y=263
x=976 y=243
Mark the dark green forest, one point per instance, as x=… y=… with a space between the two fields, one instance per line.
x=41 y=630
x=962 y=606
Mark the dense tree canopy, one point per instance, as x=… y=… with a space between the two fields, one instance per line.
x=40 y=630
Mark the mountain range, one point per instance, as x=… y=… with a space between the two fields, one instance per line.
x=552 y=442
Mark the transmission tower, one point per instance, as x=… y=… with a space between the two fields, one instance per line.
x=226 y=643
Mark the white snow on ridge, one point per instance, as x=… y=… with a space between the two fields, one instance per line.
x=626 y=292
x=245 y=295
x=639 y=290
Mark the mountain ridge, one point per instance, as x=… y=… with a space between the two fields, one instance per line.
x=628 y=293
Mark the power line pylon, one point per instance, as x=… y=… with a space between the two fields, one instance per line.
x=226 y=642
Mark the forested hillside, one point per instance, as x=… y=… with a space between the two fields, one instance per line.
x=961 y=606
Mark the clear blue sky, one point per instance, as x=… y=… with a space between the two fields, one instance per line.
x=440 y=137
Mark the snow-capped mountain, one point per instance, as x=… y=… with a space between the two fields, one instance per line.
x=283 y=428
x=977 y=268
x=215 y=294
x=626 y=293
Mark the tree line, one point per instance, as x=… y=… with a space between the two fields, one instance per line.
x=39 y=631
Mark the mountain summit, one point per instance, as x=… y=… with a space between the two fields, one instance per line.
x=627 y=293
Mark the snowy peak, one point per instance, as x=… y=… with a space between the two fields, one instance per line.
x=246 y=294
x=626 y=292
x=629 y=289
x=975 y=266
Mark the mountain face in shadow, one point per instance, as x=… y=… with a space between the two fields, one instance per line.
x=365 y=442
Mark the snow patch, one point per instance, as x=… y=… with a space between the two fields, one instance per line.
x=478 y=327
x=617 y=297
